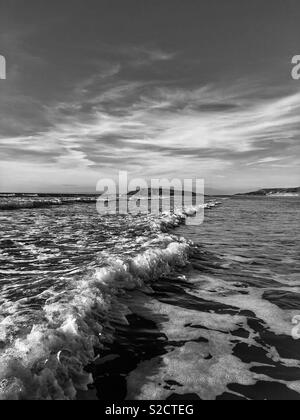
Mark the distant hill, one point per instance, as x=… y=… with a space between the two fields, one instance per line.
x=161 y=191
x=275 y=192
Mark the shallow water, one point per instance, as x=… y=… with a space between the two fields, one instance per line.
x=134 y=309
x=241 y=294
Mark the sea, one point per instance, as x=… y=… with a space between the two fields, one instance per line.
x=136 y=307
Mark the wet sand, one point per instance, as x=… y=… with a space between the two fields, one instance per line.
x=142 y=359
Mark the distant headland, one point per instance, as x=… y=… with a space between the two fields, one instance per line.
x=275 y=192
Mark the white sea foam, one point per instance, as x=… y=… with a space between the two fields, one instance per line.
x=12 y=202
x=200 y=357
x=44 y=357
x=202 y=368
x=277 y=320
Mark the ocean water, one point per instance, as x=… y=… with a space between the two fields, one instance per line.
x=144 y=307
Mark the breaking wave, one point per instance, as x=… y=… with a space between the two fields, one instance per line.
x=14 y=202
x=44 y=358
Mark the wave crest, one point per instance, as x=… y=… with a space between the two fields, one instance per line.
x=48 y=361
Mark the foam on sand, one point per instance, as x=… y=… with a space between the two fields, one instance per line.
x=277 y=320
x=202 y=363
x=204 y=353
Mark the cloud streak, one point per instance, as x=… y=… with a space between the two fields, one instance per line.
x=130 y=125
x=131 y=115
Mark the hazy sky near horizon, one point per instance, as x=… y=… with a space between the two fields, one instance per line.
x=160 y=88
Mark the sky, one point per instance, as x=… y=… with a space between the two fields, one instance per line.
x=158 y=88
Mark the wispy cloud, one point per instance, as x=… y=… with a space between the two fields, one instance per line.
x=265 y=161
x=141 y=55
x=109 y=120
x=134 y=124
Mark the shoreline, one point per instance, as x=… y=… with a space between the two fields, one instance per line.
x=154 y=335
